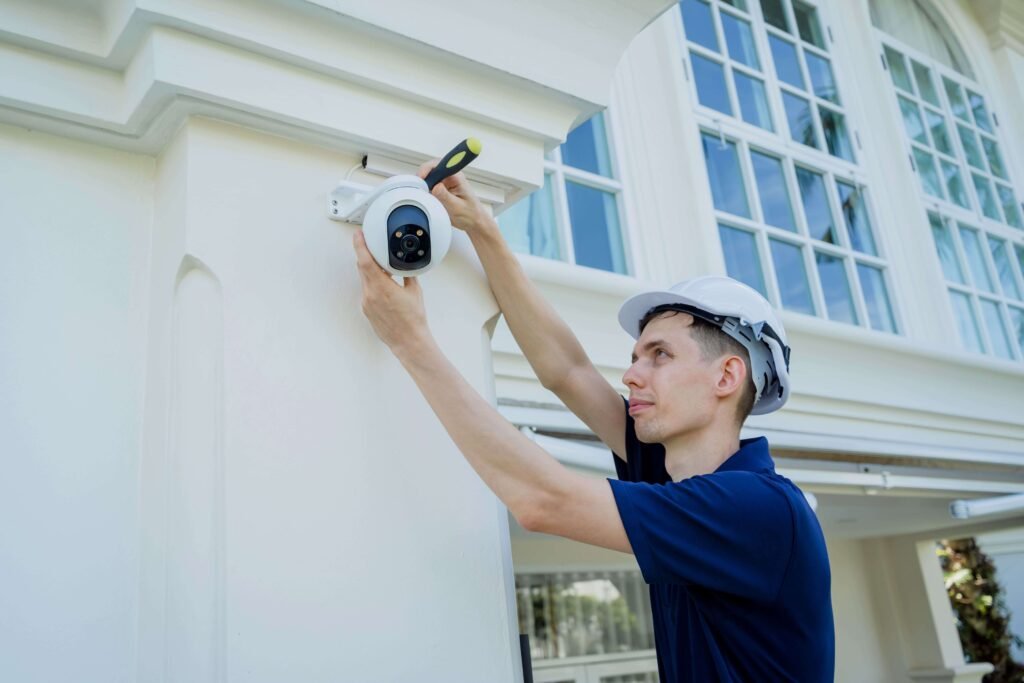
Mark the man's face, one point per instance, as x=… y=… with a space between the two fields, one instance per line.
x=671 y=387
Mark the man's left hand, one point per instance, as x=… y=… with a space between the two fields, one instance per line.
x=396 y=312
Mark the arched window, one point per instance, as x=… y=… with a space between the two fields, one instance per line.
x=916 y=24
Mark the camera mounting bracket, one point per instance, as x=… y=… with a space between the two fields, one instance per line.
x=348 y=201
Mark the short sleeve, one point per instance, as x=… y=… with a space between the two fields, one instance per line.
x=644 y=461
x=729 y=531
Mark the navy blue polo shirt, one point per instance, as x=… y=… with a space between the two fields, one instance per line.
x=737 y=567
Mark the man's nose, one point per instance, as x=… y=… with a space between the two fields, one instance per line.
x=631 y=376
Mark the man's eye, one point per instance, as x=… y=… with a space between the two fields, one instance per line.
x=661 y=351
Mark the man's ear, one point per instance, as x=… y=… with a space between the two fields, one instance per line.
x=732 y=376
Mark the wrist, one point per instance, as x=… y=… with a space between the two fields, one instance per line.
x=416 y=344
x=486 y=230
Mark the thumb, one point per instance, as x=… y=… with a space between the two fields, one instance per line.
x=411 y=283
x=443 y=194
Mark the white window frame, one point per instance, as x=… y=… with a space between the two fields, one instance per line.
x=779 y=144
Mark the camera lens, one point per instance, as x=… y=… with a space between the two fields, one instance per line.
x=410 y=243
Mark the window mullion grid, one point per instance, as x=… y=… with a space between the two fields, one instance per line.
x=562 y=213
x=979 y=315
x=727 y=62
x=768 y=267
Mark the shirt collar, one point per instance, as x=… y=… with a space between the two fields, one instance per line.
x=753 y=456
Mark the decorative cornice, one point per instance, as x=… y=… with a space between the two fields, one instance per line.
x=1003 y=21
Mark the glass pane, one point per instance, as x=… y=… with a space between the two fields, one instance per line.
x=698 y=23
x=587 y=147
x=925 y=85
x=738 y=4
x=1011 y=209
x=876 y=297
x=529 y=224
x=595 y=228
x=940 y=134
x=855 y=212
x=710 y=79
x=740 y=40
x=807 y=23
x=912 y=120
x=956 y=99
x=774 y=13
x=792 y=277
x=1017 y=325
x=898 y=70
x=771 y=188
x=724 y=175
x=820 y=71
x=980 y=113
x=801 y=126
x=954 y=183
x=996 y=329
x=976 y=259
x=926 y=169
x=946 y=250
x=741 y=259
x=753 y=102
x=995 y=160
x=816 y=209
x=835 y=286
x=1004 y=268
x=970 y=338
x=787 y=65
x=985 y=197
x=971 y=149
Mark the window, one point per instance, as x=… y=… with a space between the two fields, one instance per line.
x=975 y=217
x=732 y=77
x=793 y=213
x=576 y=215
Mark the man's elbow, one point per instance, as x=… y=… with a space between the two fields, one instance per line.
x=537 y=514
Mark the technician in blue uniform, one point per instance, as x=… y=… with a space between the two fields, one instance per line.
x=735 y=558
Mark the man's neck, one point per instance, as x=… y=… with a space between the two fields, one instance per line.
x=700 y=453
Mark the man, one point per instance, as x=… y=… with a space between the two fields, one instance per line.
x=735 y=558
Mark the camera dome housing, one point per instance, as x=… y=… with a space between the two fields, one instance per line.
x=407 y=229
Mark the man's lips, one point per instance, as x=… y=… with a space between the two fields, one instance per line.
x=636 y=406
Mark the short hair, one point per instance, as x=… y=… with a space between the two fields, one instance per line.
x=714 y=343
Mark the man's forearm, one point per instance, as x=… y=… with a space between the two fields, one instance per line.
x=547 y=342
x=519 y=471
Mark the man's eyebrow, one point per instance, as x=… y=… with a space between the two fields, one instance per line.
x=653 y=343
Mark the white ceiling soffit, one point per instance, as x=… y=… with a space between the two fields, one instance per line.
x=564 y=421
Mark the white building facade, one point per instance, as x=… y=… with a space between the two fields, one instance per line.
x=214 y=471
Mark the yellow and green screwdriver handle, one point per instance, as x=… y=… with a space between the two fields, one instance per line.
x=454 y=161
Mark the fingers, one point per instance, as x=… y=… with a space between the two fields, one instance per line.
x=368 y=267
x=411 y=283
x=427 y=167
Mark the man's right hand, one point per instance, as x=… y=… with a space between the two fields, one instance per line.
x=459 y=200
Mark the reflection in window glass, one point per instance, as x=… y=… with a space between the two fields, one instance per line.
x=836 y=287
x=792 y=276
x=1017 y=324
x=1004 y=269
x=753 y=102
x=710 y=79
x=816 y=209
x=996 y=329
x=700 y=27
x=980 y=113
x=926 y=170
x=940 y=134
x=787 y=64
x=1011 y=209
x=954 y=184
x=807 y=23
x=587 y=147
x=774 y=13
x=727 y=190
x=947 y=252
x=529 y=224
x=821 y=77
x=834 y=126
x=966 y=322
x=925 y=85
x=595 y=228
x=771 y=188
x=995 y=160
x=876 y=297
x=740 y=40
x=741 y=259
x=798 y=114
x=898 y=70
x=956 y=99
x=985 y=197
x=855 y=212
x=970 y=143
x=912 y=120
x=976 y=259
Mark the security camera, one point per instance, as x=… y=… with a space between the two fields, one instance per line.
x=407 y=229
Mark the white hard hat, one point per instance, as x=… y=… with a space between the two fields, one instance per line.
x=742 y=313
